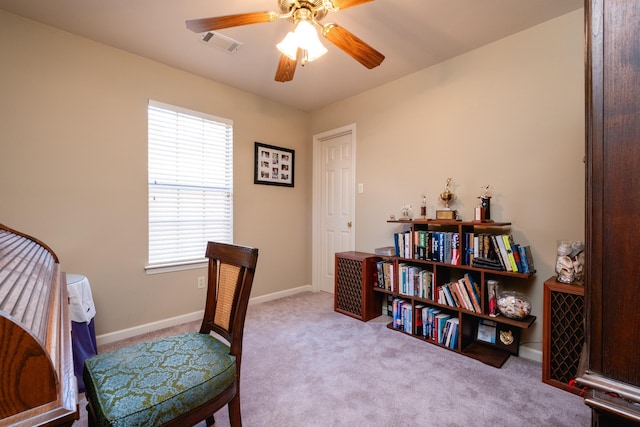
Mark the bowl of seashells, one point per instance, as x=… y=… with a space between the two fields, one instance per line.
x=513 y=305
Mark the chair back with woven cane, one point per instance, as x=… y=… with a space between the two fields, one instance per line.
x=183 y=379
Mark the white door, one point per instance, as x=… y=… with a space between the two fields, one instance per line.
x=334 y=202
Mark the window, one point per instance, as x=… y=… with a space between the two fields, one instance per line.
x=190 y=184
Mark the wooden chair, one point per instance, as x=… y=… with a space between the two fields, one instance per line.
x=184 y=379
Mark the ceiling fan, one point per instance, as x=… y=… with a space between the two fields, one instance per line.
x=296 y=47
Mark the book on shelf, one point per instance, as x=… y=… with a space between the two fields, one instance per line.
x=501 y=252
x=440 y=239
x=440 y=321
x=527 y=258
x=425 y=289
x=515 y=248
x=380 y=275
x=402 y=244
x=524 y=259
x=445 y=331
x=401 y=315
x=487 y=263
x=474 y=292
x=449 y=296
x=419 y=322
x=407 y=317
x=435 y=253
x=457 y=298
x=396 y=319
x=487 y=250
x=396 y=243
x=402 y=269
x=384 y=274
x=407 y=278
x=451 y=338
x=414 y=277
x=506 y=239
x=532 y=267
x=428 y=315
x=413 y=280
x=387 y=307
x=455 y=249
x=469 y=245
x=447 y=247
x=408 y=247
x=466 y=297
x=420 y=245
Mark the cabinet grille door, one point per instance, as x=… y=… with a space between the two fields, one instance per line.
x=566 y=337
x=349 y=286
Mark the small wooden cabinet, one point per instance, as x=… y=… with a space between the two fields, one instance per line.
x=563 y=333
x=354 y=277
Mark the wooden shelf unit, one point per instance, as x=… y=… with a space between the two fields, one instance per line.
x=468 y=344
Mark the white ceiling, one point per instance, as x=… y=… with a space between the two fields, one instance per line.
x=412 y=34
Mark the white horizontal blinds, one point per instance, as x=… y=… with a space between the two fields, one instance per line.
x=190 y=183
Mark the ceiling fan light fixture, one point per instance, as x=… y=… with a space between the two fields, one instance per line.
x=289 y=46
x=308 y=40
x=303 y=44
x=304 y=37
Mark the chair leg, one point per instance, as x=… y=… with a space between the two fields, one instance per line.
x=211 y=421
x=91 y=422
x=234 y=411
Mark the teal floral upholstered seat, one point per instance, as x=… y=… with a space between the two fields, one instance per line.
x=152 y=383
x=183 y=379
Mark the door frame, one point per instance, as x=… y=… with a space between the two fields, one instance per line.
x=317 y=198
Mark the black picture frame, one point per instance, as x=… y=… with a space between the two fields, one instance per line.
x=273 y=165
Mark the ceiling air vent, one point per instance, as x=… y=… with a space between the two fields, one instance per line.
x=221 y=42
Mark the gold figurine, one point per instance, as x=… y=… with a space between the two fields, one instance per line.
x=447 y=197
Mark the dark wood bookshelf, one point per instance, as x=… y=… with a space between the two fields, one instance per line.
x=507 y=330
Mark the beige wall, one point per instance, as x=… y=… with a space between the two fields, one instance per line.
x=73 y=120
x=510 y=114
x=74 y=161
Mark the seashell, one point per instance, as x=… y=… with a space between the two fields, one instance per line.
x=564 y=248
x=514 y=305
x=576 y=248
x=565 y=270
x=564 y=263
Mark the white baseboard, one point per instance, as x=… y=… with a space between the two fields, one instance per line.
x=530 y=353
x=111 y=337
x=122 y=334
x=281 y=294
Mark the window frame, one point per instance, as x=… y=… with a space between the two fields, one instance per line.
x=223 y=184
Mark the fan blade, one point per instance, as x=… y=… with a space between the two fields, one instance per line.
x=286 y=68
x=343 y=4
x=352 y=45
x=220 y=22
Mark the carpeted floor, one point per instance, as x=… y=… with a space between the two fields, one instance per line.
x=305 y=365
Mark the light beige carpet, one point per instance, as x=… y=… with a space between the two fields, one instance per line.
x=306 y=365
